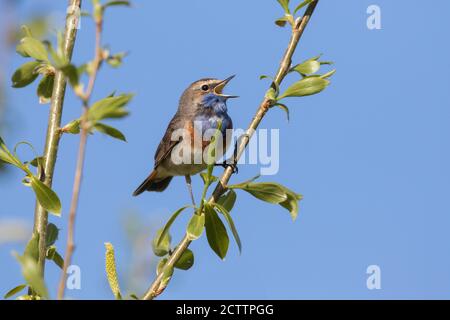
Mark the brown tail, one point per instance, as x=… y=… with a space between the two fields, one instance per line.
x=152 y=184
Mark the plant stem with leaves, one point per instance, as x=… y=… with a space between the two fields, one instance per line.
x=110 y=107
x=84 y=126
x=56 y=69
x=298 y=27
x=53 y=130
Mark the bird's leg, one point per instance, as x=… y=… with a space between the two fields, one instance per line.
x=189 y=185
x=231 y=162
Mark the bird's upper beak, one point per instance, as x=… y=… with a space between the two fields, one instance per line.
x=219 y=88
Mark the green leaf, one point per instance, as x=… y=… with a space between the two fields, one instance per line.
x=273 y=193
x=72 y=127
x=21 y=51
x=250 y=180
x=111 y=107
x=263 y=76
x=211 y=152
x=281 y=22
x=266 y=191
x=307 y=67
x=305 y=87
x=45 y=89
x=34 y=48
x=71 y=73
x=195 y=226
x=51 y=235
x=25 y=74
x=58 y=260
x=168 y=272
x=32 y=248
x=14 y=291
x=58 y=58
x=32 y=275
x=161 y=265
x=117 y=3
x=284 y=4
x=186 y=260
x=230 y=222
x=2 y=157
x=111 y=271
x=110 y=131
x=208 y=180
x=228 y=200
x=5 y=157
x=161 y=243
x=328 y=74
x=216 y=232
x=54 y=256
x=311 y=66
x=47 y=198
x=164 y=232
x=82 y=69
x=8 y=157
x=37 y=162
x=301 y=5
x=291 y=203
x=284 y=108
x=271 y=94
x=37 y=26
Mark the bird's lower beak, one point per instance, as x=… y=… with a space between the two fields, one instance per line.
x=221 y=85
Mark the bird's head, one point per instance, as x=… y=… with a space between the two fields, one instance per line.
x=206 y=93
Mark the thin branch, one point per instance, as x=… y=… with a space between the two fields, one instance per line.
x=54 y=123
x=84 y=125
x=297 y=31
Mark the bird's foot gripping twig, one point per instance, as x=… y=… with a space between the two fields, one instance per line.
x=228 y=163
x=233 y=161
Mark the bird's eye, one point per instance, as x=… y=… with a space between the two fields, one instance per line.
x=205 y=87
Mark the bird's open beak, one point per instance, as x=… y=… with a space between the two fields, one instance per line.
x=219 y=88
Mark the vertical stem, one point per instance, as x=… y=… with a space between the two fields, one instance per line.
x=85 y=97
x=297 y=31
x=54 y=123
x=70 y=245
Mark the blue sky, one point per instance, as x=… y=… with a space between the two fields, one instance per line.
x=370 y=154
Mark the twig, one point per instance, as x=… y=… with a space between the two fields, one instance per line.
x=285 y=64
x=84 y=125
x=53 y=130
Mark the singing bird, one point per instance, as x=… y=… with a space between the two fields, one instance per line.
x=202 y=107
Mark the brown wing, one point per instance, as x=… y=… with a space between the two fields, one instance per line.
x=166 y=145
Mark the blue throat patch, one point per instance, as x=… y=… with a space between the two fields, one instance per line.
x=217 y=103
x=214 y=109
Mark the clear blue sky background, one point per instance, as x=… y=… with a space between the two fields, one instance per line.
x=370 y=154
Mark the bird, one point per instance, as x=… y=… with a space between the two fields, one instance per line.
x=202 y=107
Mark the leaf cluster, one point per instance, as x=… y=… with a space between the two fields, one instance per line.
x=45 y=195
x=30 y=266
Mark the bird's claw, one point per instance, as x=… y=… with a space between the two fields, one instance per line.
x=226 y=165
